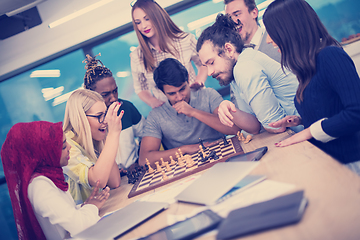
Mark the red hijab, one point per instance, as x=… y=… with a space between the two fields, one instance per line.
x=31 y=149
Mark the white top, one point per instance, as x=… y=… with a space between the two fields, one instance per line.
x=318 y=133
x=257 y=38
x=56 y=211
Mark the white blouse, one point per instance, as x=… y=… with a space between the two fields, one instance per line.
x=56 y=210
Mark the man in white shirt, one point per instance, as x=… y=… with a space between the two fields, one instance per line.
x=260 y=86
x=245 y=14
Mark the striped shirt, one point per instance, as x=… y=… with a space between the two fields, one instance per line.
x=144 y=80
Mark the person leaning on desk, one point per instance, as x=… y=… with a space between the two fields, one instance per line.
x=327 y=98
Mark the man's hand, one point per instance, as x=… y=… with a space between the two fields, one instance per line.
x=224 y=112
x=184 y=108
x=288 y=121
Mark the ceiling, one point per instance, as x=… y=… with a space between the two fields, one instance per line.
x=11 y=7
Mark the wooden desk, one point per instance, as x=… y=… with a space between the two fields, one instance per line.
x=333 y=191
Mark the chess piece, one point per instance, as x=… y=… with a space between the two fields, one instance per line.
x=158 y=168
x=181 y=154
x=248 y=138
x=202 y=152
x=167 y=167
x=225 y=141
x=150 y=169
x=238 y=135
x=180 y=162
x=162 y=162
x=242 y=137
x=177 y=155
x=189 y=162
x=165 y=177
x=172 y=161
x=202 y=143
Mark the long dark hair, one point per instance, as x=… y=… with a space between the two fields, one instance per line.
x=166 y=29
x=297 y=30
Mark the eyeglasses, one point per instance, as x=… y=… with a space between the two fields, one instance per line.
x=100 y=117
x=134 y=1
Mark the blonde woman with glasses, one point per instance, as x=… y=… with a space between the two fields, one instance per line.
x=160 y=38
x=87 y=124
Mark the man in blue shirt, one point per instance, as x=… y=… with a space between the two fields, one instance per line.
x=260 y=85
x=185 y=117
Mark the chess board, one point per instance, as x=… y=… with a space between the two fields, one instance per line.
x=149 y=181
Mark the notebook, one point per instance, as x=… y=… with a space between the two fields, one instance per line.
x=278 y=212
x=122 y=220
x=214 y=183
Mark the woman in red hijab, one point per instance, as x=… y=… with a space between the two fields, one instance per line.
x=33 y=155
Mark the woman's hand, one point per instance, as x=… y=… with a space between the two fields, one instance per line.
x=154 y=102
x=197 y=85
x=147 y=97
x=224 y=113
x=298 y=137
x=288 y=121
x=98 y=198
x=112 y=119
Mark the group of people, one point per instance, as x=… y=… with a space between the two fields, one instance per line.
x=290 y=74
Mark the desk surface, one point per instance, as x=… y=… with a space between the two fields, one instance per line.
x=332 y=189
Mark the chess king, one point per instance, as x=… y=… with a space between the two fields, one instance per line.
x=184 y=118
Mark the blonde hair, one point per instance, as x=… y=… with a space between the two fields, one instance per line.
x=165 y=29
x=75 y=120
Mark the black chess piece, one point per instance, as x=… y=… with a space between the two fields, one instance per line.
x=225 y=140
x=130 y=177
x=213 y=155
x=204 y=159
x=123 y=173
x=201 y=142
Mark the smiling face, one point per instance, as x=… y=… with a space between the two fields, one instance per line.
x=64 y=159
x=246 y=20
x=108 y=90
x=219 y=67
x=269 y=40
x=143 y=23
x=177 y=94
x=98 y=130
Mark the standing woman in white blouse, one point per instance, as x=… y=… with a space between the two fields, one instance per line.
x=33 y=155
x=160 y=38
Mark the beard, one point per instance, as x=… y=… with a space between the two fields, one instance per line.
x=228 y=72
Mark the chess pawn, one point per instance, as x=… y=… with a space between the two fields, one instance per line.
x=165 y=177
x=167 y=167
x=172 y=161
x=158 y=168
x=150 y=170
x=203 y=152
x=162 y=162
x=177 y=155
